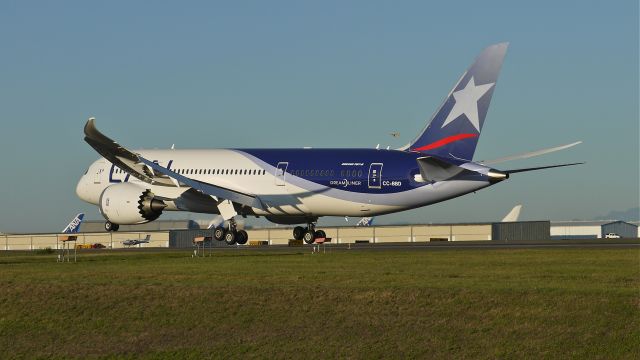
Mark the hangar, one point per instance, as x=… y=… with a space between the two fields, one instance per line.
x=620 y=228
x=592 y=229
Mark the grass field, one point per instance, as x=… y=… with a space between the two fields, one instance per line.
x=546 y=303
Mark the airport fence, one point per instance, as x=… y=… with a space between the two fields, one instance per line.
x=384 y=234
x=86 y=240
x=273 y=236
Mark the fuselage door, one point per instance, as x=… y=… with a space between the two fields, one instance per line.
x=99 y=170
x=281 y=171
x=375 y=176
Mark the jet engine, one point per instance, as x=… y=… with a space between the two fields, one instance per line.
x=129 y=204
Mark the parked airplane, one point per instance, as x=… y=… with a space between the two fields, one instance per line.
x=298 y=186
x=74 y=225
x=365 y=221
x=134 y=242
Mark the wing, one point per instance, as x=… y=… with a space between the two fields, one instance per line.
x=206 y=188
x=514 y=171
x=529 y=154
x=152 y=173
x=120 y=156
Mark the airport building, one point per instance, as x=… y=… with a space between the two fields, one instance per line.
x=592 y=229
x=180 y=234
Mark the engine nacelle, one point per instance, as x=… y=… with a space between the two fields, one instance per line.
x=129 y=204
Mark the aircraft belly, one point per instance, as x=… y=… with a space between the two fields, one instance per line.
x=342 y=203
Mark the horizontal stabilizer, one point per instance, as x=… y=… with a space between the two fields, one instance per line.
x=538 y=168
x=433 y=169
x=530 y=154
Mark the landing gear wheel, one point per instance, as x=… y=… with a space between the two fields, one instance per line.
x=109 y=226
x=230 y=237
x=218 y=234
x=309 y=236
x=298 y=232
x=320 y=234
x=243 y=237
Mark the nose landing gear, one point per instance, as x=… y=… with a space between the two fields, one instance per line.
x=109 y=226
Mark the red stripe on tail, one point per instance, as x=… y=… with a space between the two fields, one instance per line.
x=445 y=141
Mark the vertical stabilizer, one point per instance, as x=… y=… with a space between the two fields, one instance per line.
x=513 y=215
x=74 y=225
x=454 y=130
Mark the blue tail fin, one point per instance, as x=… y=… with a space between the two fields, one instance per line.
x=74 y=225
x=455 y=128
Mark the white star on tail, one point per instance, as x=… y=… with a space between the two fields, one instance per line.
x=467 y=103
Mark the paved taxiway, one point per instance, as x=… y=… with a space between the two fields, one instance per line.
x=443 y=246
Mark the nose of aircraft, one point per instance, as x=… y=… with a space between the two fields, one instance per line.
x=79 y=188
x=82 y=189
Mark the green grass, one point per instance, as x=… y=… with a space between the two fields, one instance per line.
x=547 y=303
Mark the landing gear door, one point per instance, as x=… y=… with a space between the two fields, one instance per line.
x=281 y=172
x=375 y=176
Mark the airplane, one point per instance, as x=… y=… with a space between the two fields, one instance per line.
x=299 y=186
x=134 y=242
x=74 y=225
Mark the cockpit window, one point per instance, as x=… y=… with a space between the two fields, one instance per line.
x=86 y=171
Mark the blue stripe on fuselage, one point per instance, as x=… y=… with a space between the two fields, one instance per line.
x=347 y=169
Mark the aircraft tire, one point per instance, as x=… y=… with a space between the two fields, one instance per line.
x=219 y=233
x=230 y=237
x=109 y=226
x=309 y=237
x=298 y=232
x=243 y=237
x=321 y=234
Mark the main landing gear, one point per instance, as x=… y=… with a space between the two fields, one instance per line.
x=309 y=234
x=109 y=226
x=231 y=235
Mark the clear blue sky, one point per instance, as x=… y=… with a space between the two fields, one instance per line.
x=322 y=74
